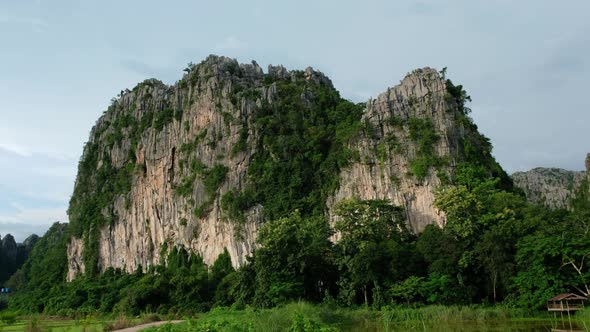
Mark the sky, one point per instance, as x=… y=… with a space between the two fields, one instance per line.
x=526 y=65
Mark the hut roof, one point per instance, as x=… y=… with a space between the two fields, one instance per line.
x=567 y=296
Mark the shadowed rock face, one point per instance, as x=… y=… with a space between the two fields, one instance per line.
x=555 y=188
x=17 y=251
x=216 y=115
x=13 y=255
x=9 y=247
x=551 y=187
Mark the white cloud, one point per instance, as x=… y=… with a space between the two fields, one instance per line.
x=35 y=177
x=15 y=148
x=34 y=216
x=55 y=171
x=231 y=43
x=48 y=195
x=18 y=135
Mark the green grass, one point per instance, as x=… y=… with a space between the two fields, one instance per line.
x=583 y=317
x=308 y=317
x=40 y=322
x=298 y=316
x=441 y=313
x=301 y=316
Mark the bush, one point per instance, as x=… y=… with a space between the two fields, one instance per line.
x=164 y=117
x=213 y=178
x=122 y=322
x=8 y=317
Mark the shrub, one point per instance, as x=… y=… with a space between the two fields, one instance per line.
x=8 y=317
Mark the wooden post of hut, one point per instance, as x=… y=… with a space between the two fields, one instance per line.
x=566 y=303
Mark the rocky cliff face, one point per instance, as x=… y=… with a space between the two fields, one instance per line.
x=13 y=255
x=552 y=187
x=9 y=247
x=417 y=134
x=163 y=163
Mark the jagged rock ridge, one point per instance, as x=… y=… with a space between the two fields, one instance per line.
x=13 y=254
x=14 y=251
x=9 y=247
x=162 y=160
x=555 y=188
x=395 y=148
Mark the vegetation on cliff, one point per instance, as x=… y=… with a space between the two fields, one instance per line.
x=501 y=249
x=301 y=148
x=494 y=246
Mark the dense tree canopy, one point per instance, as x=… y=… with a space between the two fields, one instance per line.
x=500 y=249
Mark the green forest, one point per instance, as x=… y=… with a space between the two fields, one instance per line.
x=503 y=251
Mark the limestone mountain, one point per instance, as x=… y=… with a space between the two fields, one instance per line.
x=201 y=164
x=9 y=247
x=552 y=187
x=13 y=254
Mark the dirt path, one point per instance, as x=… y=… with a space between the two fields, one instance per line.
x=145 y=326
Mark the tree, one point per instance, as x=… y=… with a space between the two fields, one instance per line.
x=219 y=270
x=467 y=201
x=487 y=221
x=444 y=289
x=370 y=220
x=372 y=233
x=293 y=260
x=411 y=289
x=575 y=254
x=440 y=250
x=494 y=254
x=553 y=259
x=222 y=277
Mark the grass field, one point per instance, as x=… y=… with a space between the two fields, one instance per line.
x=13 y=323
x=306 y=317
x=53 y=324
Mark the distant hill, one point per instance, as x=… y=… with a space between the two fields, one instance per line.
x=551 y=187
x=13 y=255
